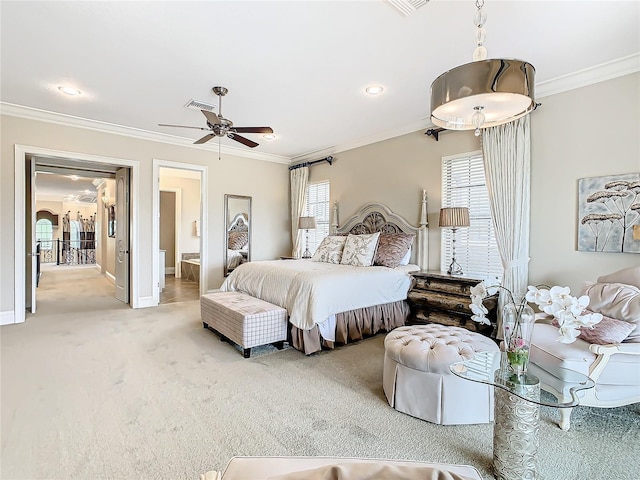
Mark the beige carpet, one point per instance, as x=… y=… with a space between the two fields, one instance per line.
x=94 y=390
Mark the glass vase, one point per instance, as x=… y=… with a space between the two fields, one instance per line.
x=517 y=325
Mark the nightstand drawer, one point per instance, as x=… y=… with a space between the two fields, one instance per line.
x=457 y=303
x=439 y=285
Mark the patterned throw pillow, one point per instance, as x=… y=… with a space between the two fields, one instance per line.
x=330 y=250
x=359 y=250
x=392 y=247
x=237 y=240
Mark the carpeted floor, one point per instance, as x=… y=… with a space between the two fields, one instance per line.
x=93 y=389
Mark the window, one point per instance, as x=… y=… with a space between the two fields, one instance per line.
x=44 y=234
x=317 y=205
x=464 y=185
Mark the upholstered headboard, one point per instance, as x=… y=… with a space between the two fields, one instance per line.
x=375 y=217
x=239 y=223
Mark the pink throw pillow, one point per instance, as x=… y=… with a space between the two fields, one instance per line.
x=607 y=331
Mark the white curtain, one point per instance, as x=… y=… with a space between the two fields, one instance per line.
x=299 y=179
x=507 y=164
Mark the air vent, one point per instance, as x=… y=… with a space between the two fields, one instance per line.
x=198 y=105
x=407 y=7
x=86 y=199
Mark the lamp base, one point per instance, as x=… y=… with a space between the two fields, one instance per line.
x=306 y=254
x=454 y=268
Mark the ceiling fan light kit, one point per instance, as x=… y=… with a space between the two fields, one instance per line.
x=220 y=126
x=483 y=93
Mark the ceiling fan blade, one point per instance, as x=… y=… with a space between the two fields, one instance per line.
x=212 y=118
x=180 y=126
x=245 y=141
x=253 y=129
x=204 y=139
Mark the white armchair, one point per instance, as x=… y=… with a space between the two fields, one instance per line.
x=614 y=367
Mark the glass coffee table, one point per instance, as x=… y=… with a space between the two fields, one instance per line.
x=517 y=407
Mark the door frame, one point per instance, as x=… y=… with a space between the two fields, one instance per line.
x=20 y=156
x=155 y=214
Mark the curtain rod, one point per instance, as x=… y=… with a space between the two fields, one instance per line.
x=328 y=159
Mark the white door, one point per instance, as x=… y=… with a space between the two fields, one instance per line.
x=122 y=235
x=30 y=236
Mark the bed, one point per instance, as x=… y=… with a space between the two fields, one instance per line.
x=330 y=303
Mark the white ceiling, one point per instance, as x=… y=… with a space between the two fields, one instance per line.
x=297 y=66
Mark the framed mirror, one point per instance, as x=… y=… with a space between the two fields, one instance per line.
x=237 y=228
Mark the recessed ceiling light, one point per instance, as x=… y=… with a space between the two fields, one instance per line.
x=69 y=90
x=374 y=90
x=269 y=136
x=74 y=177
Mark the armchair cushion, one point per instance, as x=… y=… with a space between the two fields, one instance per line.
x=621 y=370
x=619 y=301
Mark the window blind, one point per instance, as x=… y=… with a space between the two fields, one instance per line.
x=317 y=205
x=464 y=185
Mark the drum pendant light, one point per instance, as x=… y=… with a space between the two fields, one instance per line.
x=483 y=93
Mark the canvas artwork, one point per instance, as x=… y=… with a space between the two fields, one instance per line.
x=609 y=213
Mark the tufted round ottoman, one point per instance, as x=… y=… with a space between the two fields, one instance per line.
x=416 y=377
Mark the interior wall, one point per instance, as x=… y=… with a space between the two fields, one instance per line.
x=266 y=182
x=168 y=228
x=567 y=143
x=189 y=210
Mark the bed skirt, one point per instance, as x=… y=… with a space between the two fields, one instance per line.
x=353 y=325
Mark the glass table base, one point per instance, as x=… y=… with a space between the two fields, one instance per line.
x=515 y=436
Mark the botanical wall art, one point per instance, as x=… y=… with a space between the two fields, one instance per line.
x=608 y=209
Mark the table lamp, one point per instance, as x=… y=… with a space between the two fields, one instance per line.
x=454 y=218
x=306 y=224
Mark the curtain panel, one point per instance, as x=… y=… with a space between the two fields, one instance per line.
x=299 y=178
x=507 y=163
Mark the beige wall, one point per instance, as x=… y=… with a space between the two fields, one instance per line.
x=568 y=142
x=266 y=182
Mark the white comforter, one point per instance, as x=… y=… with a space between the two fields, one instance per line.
x=313 y=291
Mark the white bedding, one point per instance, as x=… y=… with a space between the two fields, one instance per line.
x=313 y=291
x=234 y=258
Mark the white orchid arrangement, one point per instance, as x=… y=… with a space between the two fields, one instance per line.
x=569 y=311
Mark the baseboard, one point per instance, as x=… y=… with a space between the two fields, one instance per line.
x=7 y=318
x=111 y=278
x=213 y=291
x=170 y=271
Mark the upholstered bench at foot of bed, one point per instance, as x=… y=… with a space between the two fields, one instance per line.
x=416 y=379
x=244 y=320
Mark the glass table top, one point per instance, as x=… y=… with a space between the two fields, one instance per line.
x=491 y=368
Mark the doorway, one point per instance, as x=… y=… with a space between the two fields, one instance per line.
x=179 y=230
x=25 y=220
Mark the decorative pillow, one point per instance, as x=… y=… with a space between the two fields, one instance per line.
x=392 y=248
x=237 y=240
x=330 y=250
x=628 y=276
x=619 y=301
x=606 y=331
x=359 y=250
x=406 y=259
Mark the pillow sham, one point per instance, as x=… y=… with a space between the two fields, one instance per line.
x=330 y=249
x=359 y=250
x=392 y=248
x=237 y=240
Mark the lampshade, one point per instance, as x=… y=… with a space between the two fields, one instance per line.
x=500 y=89
x=307 y=222
x=454 y=217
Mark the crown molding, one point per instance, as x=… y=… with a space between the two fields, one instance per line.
x=583 y=78
x=31 y=113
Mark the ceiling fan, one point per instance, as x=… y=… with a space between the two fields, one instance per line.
x=221 y=127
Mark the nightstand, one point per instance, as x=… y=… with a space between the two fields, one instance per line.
x=437 y=297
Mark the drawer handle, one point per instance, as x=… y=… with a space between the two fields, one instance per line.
x=460 y=306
